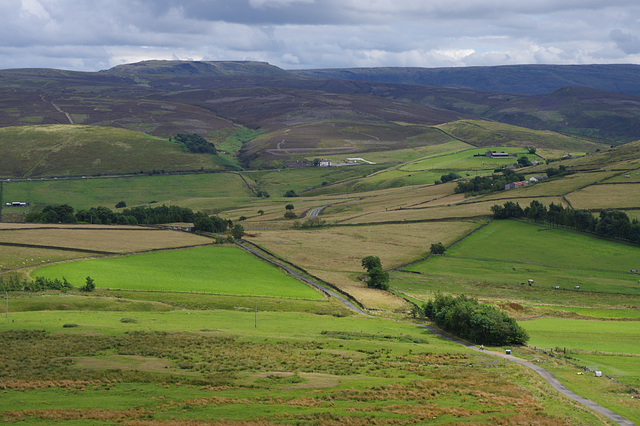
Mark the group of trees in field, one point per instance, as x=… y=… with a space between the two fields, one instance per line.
x=447 y=178
x=486 y=184
x=13 y=283
x=377 y=277
x=195 y=143
x=479 y=323
x=610 y=223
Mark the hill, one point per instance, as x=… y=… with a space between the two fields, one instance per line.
x=263 y=116
x=66 y=150
x=523 y=79
x=197 y=68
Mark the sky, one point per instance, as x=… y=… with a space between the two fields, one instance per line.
x=93 y=35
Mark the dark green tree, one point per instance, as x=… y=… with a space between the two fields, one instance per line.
x=524 y=161
x=371 y=262
x=89 y=285
x=438 y=248
x=237 y=231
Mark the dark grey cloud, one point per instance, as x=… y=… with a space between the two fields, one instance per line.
x=97 y=34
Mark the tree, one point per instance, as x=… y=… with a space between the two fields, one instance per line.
x=237 y=231
x=524 y=161
x=378 y=278
x=121 y=204
x=438 y=248
x=290 y=193
x=290 y=214
x=260 y=212
x=532 y=150
x=289 y=207
x=371 y=262
x=89 y=285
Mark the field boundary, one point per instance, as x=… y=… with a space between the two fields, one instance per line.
x=332 y=290
x=462 y=238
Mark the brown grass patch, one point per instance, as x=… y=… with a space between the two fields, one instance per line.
x=606 y=197
x=129 y=362
x=103 y=239
x=311 y=380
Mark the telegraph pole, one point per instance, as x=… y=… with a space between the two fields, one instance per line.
x=1 y=201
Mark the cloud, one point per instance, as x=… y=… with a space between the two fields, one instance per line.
x=626 y=42
x=96 y=34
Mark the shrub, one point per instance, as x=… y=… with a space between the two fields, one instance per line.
x=482 y=324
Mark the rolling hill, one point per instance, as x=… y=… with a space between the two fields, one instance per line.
x=264 y=116
x=523 y=79
x=74 y=150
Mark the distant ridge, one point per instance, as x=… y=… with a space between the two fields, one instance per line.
x=523 y=79
x=183 y=68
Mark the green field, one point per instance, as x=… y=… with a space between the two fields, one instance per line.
x=213 y=191
x=510 y=253
x=223 y=270
x=585 y=335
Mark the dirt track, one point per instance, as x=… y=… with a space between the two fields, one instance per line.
x=545 y=374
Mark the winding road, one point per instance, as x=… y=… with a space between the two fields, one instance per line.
x=545 y=374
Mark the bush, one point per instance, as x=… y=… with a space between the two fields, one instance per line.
x=438 y=248
x=482 y=324
x=290 y=215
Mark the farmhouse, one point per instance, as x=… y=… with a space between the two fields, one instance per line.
x=534 y=179
x=514 y=185
x=498 y=154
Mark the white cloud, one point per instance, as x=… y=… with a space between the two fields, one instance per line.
x=318 y=33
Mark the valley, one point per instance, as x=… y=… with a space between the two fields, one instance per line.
x=188 y=327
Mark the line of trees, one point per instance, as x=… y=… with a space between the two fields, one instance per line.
x=195 y=143
x=13 y=283
x=610 y=223
x=468 y=319
x=143 y=215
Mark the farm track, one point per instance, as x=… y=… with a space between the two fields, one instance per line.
x=545 y=374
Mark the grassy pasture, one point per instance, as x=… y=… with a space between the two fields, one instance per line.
x=486 y=134
x=224 y=270
x=210 y=190
x=12 y=257
x=277 y=182
x=551 y=257
x=606 y=197
x=352 y=370
x=408 y=154
x=553 y=187
x=62 y=150
x=465 y=160
x=112 y=240
x=335 y=254
x=602 y=336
